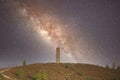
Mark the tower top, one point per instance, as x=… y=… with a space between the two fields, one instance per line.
x=58 y=48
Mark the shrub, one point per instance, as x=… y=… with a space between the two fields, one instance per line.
x=21 y=74
x=38 y=76
x=42 y=75
x=114 y=79
x=80 y=73
x=1 y=77
x=66 y=66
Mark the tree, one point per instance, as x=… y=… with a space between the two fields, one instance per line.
x=118 y=68
x=113 y=65
x=107 y=67
x=24 y=62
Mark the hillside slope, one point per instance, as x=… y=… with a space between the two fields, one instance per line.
x=64 y=71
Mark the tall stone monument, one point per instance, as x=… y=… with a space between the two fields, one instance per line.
x=57 y=55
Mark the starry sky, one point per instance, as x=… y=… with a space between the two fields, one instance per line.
x=87 y=31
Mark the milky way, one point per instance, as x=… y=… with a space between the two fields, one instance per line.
x=49 y=28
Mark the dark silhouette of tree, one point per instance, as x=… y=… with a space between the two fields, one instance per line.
x=107 y=67
x=24 y=62
x=113 y=65
x=118 y=68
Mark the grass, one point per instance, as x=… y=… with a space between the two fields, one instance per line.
x=52 y=71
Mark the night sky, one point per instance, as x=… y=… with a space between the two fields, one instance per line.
x=88 y=31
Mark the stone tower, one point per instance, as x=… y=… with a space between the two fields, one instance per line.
x=57 y=55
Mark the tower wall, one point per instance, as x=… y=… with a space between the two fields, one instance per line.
x=58 y=55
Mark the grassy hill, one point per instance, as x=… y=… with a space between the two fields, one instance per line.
x=52 y=71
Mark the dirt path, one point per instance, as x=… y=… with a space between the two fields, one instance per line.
x=4 y=75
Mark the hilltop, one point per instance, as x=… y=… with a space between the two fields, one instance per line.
x=64 y=71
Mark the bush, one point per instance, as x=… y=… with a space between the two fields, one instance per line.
x=66 y=66
x=37 y=76
x=21 y=74
x=1 y=77
x=114 y=79
x=80 y=73
x=42 y=75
